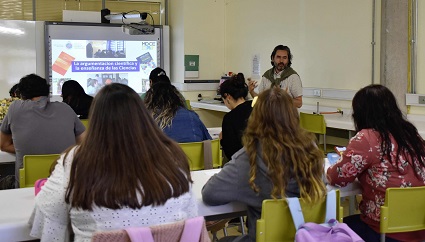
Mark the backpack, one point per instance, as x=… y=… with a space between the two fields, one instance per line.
x=330 y=231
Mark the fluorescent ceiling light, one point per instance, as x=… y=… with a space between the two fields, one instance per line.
x=12 y=31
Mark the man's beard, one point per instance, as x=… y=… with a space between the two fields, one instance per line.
x=280 y=66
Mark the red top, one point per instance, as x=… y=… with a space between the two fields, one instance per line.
x=363 y=160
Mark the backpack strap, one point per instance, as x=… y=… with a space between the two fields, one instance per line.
x=208 y=161
x=192 y=229
x=330 y=206
x=296 y=211
x=140 y=234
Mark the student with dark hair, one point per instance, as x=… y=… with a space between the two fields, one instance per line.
x=14 y=91
x=126 y=173
x=387 y=151
x=155 y=76
x=233 y=93
x=168 y=109
x=279 y=159
x=281 y=75
x=73 y=94
x=35 y=125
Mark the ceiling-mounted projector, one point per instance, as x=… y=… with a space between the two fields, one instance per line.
x=138 y=29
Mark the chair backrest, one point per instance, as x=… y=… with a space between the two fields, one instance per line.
x=276 y=222
x=403 y=210
x=85 y=122
x=35 y=167
x=172 y=232
x=195 y=154
x=188 y=106
x=314 y=123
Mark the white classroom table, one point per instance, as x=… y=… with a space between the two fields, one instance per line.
x=16 y=206
x=6 y=157
x=336 y=121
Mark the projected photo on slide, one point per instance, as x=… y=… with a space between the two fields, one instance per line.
x=95 y=63
x=96 y=81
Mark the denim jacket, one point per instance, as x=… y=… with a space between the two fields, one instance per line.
x=187 y=127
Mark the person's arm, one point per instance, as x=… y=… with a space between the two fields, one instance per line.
x=298 y=101
x=223 y=187
x=353 y=161
x=295 y=89
x=79 y=130
x=80 y=138
x=230 y=141
x=251 y=87
x=6 y=143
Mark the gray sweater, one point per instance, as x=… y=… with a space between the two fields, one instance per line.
x=232 y=184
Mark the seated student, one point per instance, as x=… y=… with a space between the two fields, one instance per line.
x=233 y=93
x=35 y=126
x=386 y=152
x=168 y=109
x=154 y=77
x=73 y=94
x=126 y=173
x=14 y=91
x=279 y=159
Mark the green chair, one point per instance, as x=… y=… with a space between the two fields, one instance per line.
x=35 y=167
x=198 y=152
x=85 y=122
x=188 y=104
x=315 y=123
x=276 y=224
x=403 y=210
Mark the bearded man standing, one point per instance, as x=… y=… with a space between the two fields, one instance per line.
x=280 y=75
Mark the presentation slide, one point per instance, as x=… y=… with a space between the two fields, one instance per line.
x=96 y=63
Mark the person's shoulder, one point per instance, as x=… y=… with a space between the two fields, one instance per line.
x=240 y=155
x=366 y=134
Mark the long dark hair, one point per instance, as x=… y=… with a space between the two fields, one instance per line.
x=125 y=159
x=74 y=95
x=375 y=107
x=235 y=87
x=163 y=100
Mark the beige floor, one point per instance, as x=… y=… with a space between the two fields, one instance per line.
x=233 y=230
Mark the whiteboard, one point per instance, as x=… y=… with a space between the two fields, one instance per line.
x=20 y=42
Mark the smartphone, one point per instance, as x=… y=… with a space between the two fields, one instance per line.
x=340 y=150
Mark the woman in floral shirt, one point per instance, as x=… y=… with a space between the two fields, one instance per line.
x=386 y=152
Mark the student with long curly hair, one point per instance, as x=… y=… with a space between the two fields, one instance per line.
x=279 y=159
x=168 y=109
x=126 y=173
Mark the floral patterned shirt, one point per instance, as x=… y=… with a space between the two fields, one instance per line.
x=363 y=160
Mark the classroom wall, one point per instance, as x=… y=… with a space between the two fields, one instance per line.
x=327 y=53
x=420 y=82
x=197 y=29
x=330 y=39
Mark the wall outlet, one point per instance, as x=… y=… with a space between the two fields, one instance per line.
x=317 y=92
x=421 y=100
